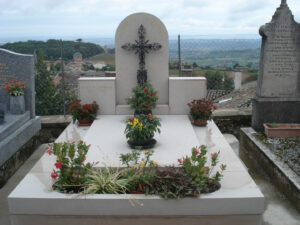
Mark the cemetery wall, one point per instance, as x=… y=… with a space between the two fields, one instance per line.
x=267 y=164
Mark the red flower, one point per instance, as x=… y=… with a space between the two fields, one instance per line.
x=58 y=165
x=49 y=150
x=180 y=160
x=149 y=116
x=197 y=151
x=83 y=159
x=54 y=175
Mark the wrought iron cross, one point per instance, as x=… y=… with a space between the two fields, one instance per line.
x=141 y=47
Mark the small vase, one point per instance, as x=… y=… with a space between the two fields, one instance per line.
x=17 y=104
x=84 y=123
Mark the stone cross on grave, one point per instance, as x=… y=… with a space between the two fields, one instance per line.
x=141 y=47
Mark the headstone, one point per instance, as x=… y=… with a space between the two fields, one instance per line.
x=277 y=97
x=237 y=80
x=21 y=67
x=155 y=63
x=16 y=129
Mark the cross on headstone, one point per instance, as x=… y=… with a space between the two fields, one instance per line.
x=283 y=2
x=141 y=47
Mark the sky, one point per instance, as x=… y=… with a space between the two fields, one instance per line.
x=100 y=18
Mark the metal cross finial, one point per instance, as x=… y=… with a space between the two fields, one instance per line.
x=283 y=2
x=141 y=47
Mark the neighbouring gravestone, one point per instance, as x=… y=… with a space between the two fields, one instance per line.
x=152 y=55
x=16 y=130
x=277 y=97
x=21 y=67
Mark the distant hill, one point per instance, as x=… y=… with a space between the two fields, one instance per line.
x=217 y=52
x=51 y=48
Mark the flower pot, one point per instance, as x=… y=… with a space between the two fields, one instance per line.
x=145 y=112
x=17 y=104
x=282 y=130
x=142 y=144
x=199 y=123
x=84 y=123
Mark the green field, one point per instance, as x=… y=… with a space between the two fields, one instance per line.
x=107 y=58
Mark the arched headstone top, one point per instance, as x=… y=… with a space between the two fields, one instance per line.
x=154 y=61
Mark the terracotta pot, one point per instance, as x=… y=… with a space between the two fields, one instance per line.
x=282 y=130
x=200 y=123
x=84 y=123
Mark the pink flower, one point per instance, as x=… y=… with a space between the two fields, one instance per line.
x=49 y=150
x=180 y=160
x=197 y=151
x=58 y=165
x=96 y=163
x=54 y=175
x=83 y=159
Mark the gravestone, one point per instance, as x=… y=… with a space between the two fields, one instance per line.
x=20 y=66
x=277 y=97
x=156 y=62
x=16 y=130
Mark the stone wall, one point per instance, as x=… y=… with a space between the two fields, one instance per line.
x=231 y=120
x=52 y=127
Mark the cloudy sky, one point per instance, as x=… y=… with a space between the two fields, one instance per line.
x=100 y=18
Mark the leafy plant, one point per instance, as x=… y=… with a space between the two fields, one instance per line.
x=142 y=127
x=140 y=169
x=272 y=125
x=83 y=112
x=201 y=109
x=71 y=169
x=105 y=181
x=14 y=88
x=144 y=97
x=195 y=165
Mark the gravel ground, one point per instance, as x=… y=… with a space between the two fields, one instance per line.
x=288 y=149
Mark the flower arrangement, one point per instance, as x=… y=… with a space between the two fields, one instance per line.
x=83 y=112
x=70 y=168
x=191 y=178
x=201 y=109
x=14 y=88
x=141 y=174
x=141 y=128
x=144 y=98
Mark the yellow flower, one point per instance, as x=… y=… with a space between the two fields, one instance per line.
x=140 y=126
x=130 y=123
x=155 y=163
x=147 y=152
x=135 y=122
x=142 y=163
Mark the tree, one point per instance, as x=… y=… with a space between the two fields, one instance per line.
x=49 y=98
x=228 y=83
x=214 y=80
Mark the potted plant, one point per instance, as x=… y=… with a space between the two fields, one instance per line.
x=201 y=111
x=85 y=114
x=140 y=130
x=144 y=99
x=16 y=91
x=282 y=130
